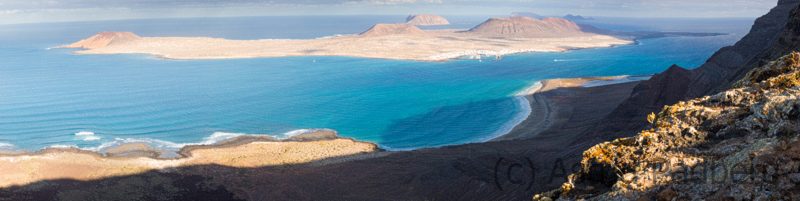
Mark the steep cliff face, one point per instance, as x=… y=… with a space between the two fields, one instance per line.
x=739 y=144
x=771 y=36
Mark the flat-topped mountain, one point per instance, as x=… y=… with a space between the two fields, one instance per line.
x=528 y=14
x=104 y=39
x=520 y=26
x=426 y=20
x=392 y=29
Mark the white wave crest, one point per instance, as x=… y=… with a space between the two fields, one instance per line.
x=84 y=133
x=63 y=146
x=91 y=138
x=158 y=144
x=4 y=145
x=530 y=90
x=525 y=111
x=214 y=138
x=218 y=137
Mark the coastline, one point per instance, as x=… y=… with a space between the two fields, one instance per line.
x=161 y=149
x=541 y=113
x=527 y=99
x=522 y=98
x=315 y=148
x=309 y=147
x=432 y=46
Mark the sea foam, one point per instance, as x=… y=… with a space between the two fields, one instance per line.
x=4 y=145
x=84 y=133
x=171 y=148
x=525 y=110
x=530 y=90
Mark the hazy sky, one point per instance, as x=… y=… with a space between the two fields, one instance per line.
x=26 y=11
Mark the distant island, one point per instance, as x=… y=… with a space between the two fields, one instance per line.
x=426 y=20
x=493 y=38
x=638 y=35
x=577 y=17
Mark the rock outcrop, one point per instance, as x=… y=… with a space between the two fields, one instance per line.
x=392 y=29
x=739 y=144
x=104 y=39
x=520 y=26
x=426 y=20
x=772 y=35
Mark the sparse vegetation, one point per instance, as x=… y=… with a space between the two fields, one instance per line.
x=755 y=125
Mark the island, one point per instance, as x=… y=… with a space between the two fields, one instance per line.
x=426 y=20
x=493 y=38
x=577 y=17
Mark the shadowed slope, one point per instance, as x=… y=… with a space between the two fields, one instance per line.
x=771 y=36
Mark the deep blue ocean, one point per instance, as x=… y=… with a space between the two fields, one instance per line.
x=51 y=97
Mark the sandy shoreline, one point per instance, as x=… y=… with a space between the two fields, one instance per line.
x=432 y=45
x=321 y=147
x=541 y=112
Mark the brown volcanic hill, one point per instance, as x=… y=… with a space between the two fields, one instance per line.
x=104 y=39
x=520 y=26
x=772 y=35
x=426 y=20
x=392 y=29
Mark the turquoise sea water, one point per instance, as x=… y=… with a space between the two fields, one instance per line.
x=50 y=97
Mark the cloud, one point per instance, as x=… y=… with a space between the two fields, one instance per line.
x=17 y=11
x=66 y=4
x=392 y=2
x=9 y=12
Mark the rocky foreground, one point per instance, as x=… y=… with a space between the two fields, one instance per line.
x=739 y=144
x=732 y=139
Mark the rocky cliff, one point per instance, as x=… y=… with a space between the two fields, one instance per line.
x=520 y=26
x=739 y=144
x=426 y=20
x=771 y=36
